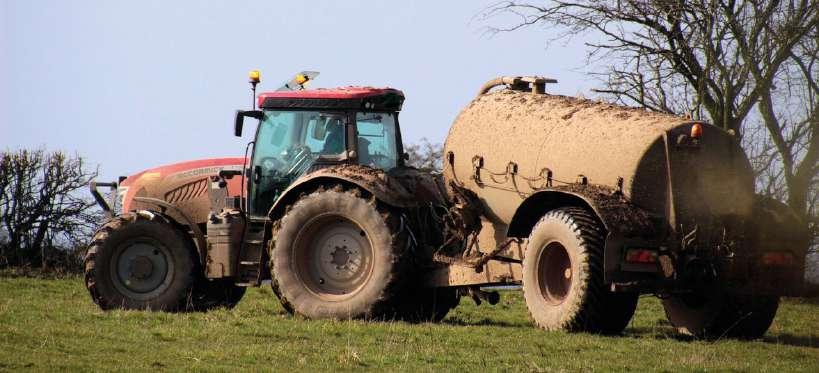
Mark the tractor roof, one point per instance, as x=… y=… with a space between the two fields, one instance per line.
x=363 y=98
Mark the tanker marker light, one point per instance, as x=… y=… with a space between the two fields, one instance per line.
x=696 y=131
x=255 y=78
x=641 y=256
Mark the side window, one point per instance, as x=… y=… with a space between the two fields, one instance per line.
x=325 y=134
x=376 y=140
x=274 y=134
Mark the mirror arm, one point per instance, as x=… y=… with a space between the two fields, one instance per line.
x=240 y=118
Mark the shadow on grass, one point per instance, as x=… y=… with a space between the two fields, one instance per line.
x=668 y=333
x=793 y=340
x=457 y=321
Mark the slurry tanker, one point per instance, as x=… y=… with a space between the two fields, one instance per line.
x=585 y=205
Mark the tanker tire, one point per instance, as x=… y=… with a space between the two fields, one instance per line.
x=427 y=304
x=572 y=295
x=722 y=315
x=336 y=255
x=136 y=233
x=211 y=294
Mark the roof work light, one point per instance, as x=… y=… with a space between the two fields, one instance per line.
x=255 y=76
x=301 y=79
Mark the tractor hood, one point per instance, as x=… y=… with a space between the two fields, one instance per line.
x=183 y=184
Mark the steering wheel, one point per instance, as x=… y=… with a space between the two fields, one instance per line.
x=302 y=156
x=272 y=165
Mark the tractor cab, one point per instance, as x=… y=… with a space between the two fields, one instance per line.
x=303 y=130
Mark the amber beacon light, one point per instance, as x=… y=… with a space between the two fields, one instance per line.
x=696 y=131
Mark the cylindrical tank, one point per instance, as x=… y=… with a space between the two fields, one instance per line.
x=506 y=144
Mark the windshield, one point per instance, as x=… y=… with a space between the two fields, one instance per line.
x=287 y=144
x=376 y=140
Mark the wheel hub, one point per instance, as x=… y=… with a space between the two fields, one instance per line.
x=341 y=256
x=141 y=268
x=555 y=273
x=334 y=257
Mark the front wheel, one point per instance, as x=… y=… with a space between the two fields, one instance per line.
x=141 y=261
x=563 y=276
x=338 y=255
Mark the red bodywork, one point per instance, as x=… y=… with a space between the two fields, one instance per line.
x=183 y=184
x=334 y=93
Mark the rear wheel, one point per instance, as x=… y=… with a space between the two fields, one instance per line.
x=140 y=261
x=721 y=315
x=337 y=255
x=563 y=276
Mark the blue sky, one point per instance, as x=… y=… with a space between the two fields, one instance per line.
x=131 y=85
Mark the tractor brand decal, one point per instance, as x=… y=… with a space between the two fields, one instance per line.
x=203 y=171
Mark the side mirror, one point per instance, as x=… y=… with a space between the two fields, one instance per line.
x=229 y=174
x=240 y=119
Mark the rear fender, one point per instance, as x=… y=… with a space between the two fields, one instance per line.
x=376 y=182
x=625 y=223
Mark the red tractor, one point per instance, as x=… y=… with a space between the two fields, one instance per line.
x=325 y=189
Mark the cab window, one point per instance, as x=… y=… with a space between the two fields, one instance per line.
x=376 y=140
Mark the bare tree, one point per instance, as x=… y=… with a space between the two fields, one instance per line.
x=41 y=205
x=749 y=66
x=425 y=155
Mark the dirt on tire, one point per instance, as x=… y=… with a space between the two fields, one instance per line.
x=563 y=279
x=303 y=292
x=103 y=262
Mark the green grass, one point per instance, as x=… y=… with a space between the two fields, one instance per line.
x=48 y=324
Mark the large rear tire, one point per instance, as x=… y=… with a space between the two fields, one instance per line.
x=141 y=261
x=563 y=276
x=337 y=255
x=721 y=315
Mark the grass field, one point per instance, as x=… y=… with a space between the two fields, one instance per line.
x=52 y=324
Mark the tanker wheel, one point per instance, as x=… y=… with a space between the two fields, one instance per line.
x=720 y=315
x=427 y=304
x=337 y=255
x=563 y=276
x=210 y=294
x=141 y=261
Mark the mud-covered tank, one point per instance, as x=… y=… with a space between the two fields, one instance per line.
x=603 y=202
x=508 y=144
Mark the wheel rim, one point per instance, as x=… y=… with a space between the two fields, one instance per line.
x=555 y=273
x=333 y=257
x=141 y=269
